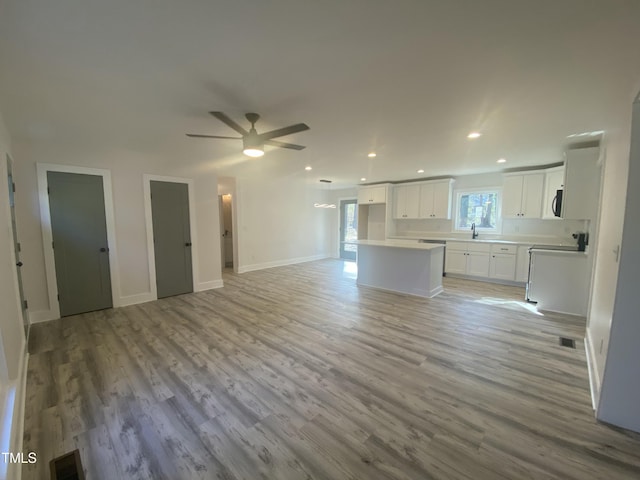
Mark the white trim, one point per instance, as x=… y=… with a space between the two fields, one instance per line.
x=340 y=200
x=21 y=398
x=146 y=179
x=43 y=316
x=12 y=413
x=594 y=379
x=210 y=285
x=24 y=317
x=135 y=299
x=457 y=193
x=282 y=263
x=47 y=237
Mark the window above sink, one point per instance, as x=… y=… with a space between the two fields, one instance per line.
x=481 y=207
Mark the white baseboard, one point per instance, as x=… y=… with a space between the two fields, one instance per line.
x=42 y=316
x=202 y=286
x=13 y=407
x=281 y=263
x=498 y=281
x=21 y=398
x=594 y=379
x=135 y=299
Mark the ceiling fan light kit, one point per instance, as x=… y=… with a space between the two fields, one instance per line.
x=253 y=147
x=253 y=142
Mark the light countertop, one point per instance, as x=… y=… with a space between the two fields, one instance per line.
x=398 y=244
x=551 y=242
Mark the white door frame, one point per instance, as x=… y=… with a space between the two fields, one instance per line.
x=147 y=179
x=340 y=215
x=47 y=235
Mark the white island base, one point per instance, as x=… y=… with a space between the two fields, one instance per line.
x=409 y=268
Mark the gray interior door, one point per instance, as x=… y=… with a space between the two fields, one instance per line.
x=80 y=247
x=16 y=245
x=171 y=238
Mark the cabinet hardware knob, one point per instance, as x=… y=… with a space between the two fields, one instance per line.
x=187 y=244
x=19 y=264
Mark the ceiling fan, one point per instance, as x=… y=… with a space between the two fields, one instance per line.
x=254 y=142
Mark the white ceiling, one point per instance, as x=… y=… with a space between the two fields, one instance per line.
x=408 y=79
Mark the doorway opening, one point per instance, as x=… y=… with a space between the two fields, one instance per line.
x=226 y=229
x=348 y=229
x=228 y=213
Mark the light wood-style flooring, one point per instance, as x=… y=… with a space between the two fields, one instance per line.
x=296 y=373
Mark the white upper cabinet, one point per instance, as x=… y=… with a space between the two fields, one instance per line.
x=371 y=195
x=435 y=199
x=553 y=181
x=522 y=195
x=406 y=201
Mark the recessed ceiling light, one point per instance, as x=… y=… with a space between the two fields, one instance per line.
x=473 y=135
x=371 y=154
x=308 y=167
x=421 y=171
x=363 y=179
x=501 y=160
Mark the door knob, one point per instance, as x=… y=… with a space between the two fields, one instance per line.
x=19 y=264
x=188 y=244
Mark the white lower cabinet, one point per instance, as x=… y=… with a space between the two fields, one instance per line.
x=503 y=262
x=467 y=258
x=499 y=261
x=455 y=262
x=478 y=264
x=522 y=263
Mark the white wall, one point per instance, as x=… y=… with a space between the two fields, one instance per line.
x=11 y=329
x=620 y=390
x=277 y=223
x=127 y=168
x=13 y=346
x=605 y=278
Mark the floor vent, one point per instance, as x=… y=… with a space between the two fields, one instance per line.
x=67 y=467
x=567 y=342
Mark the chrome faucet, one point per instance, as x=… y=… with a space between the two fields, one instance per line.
x=473 y=229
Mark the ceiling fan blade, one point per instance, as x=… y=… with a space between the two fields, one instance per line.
x=224 y=119
x=281 y=132
x=195 y=135
x=292 y=146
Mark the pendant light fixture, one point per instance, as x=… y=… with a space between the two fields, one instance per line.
x=325 y=205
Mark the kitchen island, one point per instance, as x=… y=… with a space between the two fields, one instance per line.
x=405 y=267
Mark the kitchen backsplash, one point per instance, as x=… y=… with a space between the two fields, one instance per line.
x=552 y=228
x=547 y=228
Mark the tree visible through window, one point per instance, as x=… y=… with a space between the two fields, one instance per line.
x=480 y=208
